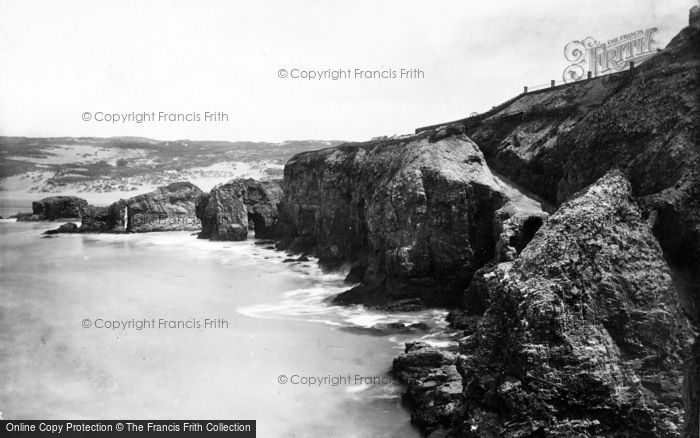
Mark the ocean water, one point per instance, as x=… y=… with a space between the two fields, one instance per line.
x=280 y=327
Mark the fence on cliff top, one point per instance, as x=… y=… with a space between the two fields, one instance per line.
x=553 y=84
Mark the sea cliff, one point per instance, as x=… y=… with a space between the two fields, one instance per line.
x=414 y=217
x=578 y=323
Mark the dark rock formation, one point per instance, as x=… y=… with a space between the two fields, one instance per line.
x=694 y=17
x=390 y=328
x=414 y=215
x=52 y=208
x=24 y=216
x=403 y=305
x=231 y=209
x=57 y=207
x=104 y=219
x=583 y=334
x=434 y=386
x=169 y=208
x=69 y=227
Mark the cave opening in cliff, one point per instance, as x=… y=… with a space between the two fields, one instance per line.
x=256 y=223
x=530 y=227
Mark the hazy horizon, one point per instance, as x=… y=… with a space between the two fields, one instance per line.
x=179 y=58
x=140 y=137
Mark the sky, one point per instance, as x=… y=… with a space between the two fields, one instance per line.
x=67 y=66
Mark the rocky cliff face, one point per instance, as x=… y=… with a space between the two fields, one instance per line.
x=55 y=207
x=231 y=209
x=644 y=122
x=415 y=216
x=583 y=334
x=576 y=325
x=169 y=208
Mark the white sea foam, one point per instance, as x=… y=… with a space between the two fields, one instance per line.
x=354 y=389
x=313 y=304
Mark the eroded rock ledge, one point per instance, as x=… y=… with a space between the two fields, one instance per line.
x=415 y=216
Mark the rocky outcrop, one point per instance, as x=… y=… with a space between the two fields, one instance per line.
x=434 y=385
x=54 y=207
x=415 y=216
x=57 y=207
x=583 y=334
x=69 y=227
x=231 y=209
x=169 y=208
x=109 y=219
x=24 y=216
